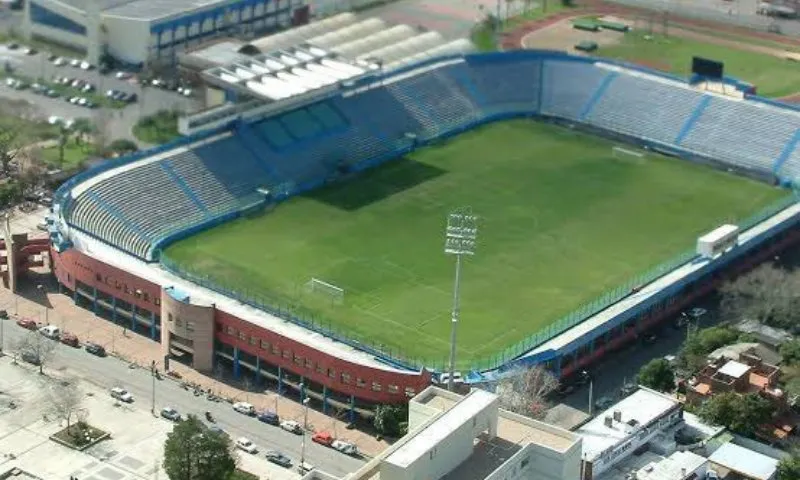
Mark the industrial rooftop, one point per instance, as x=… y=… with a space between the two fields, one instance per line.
x=140 y=9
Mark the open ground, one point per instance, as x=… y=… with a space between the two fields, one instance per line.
x=562 y=220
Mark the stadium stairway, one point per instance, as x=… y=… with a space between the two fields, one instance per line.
x=508 y=86
x=787 y=166
x=567 y=87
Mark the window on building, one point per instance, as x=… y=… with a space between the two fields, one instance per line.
x=253 y=341
x=331 y=373
x=138 y=293
x=321 y=369
x=242 y=336
x=287 y=354
x=146 y=297
x=410 y=392
x=298 y=360
x=157 y=301
x=98 y=277
x=169 y=317
x=360 y=383
x=345 y=378
x=264 y=345
x=376 y=387
x=392 y=388
x=276 y=350
x=190 y=326
x=178 y=322
x=127 y=290
x=231 y=331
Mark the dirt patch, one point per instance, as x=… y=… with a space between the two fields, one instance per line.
x=794 y=98
x=726 y=42
x=562 y=36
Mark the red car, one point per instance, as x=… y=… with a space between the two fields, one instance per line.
x=323 y=438
x=70 y=339
x=27 y=323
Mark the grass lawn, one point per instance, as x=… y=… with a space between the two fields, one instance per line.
x=74 y=155
x=562 y=221
x=774 y=77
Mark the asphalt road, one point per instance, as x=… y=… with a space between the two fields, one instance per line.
x=119 y=122
x=110 y=372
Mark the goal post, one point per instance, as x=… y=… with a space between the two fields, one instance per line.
x=327 y=290
x=624 y=152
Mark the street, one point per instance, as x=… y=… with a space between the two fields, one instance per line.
x=110 y=372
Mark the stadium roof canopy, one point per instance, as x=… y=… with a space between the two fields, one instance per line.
x=141 y=9
x=286 y=73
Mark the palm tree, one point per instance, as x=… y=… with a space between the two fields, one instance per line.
x=82 y=128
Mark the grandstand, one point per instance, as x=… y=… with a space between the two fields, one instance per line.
x=378 y=117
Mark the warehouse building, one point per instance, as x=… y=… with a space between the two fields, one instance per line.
x=136 y=32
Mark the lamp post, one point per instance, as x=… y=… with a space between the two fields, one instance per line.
x=305 y=427
x=43 y=289
x=153 y=393
x=460 y=237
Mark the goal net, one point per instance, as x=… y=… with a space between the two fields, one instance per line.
x=326 y=290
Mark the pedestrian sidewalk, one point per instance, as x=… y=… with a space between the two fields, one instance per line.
x=135 y=348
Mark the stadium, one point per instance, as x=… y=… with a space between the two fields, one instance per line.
x=586 y=173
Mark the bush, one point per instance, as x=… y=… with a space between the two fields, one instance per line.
x=161 y=127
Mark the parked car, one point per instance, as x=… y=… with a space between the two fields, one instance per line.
x=86 y=65
x=70 y=339
x=291 y=426
x=243 y=443
x=121 y=394
x=122 y=75
x=38 y=88
x=12 y=46
x=244 y=408
x=77 y=83
x=51 y=331
x=129 y=97
x=323 y=438
x=59 y=62
x=95 y=349
x=31 y=51
x=27 y=323
x=345 y=447
x=650 y=338
x=32 y=358
x=52 y=93
x=270 y=418
x=87 y=87
x=171 y=414
x=75 y=63
x=279 y=459
x=218 y=430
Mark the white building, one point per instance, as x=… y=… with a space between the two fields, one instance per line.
x=457 y=437
x=678 y=466
x=644 y=416
x=137 y=31
x=731 y=460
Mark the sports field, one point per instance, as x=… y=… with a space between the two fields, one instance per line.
x=562 y=220
x=773 y=76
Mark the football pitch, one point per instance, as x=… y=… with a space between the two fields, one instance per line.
x=562 y=220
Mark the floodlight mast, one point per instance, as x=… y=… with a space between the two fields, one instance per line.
x=460 y=239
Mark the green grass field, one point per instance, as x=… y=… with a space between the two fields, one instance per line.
x=562 y=220
x=773 y=76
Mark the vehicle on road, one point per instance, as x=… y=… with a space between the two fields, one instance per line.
x=75 y=63
x=218 y=430
x=32 y=358
x=70 y=339
x=122 y=75
x=52 y=93
x=244 y=408
x=121 y=394
x=171 y=414
x=59 y=62
x=51 y=331
x=291 y=426
x=86 y=65
x=27 y=323
x=271 y=418
x=323 y=438
x=243 y=443
x=345 y=447
x=30 y=51
x=95 y=349
x=12 y=46
x=279 y=458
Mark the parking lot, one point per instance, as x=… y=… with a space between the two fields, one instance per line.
x=134 y=450
x=119 y=121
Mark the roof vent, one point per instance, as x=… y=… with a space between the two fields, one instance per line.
x=617 y=416
x=608 y=421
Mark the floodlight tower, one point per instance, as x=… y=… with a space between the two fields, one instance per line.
x=460 y=238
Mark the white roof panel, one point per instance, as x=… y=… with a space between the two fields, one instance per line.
x=441 y=428
x=734 y=369
x=745 y=461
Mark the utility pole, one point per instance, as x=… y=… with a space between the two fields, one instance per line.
x=153 y=396
x=305 y=427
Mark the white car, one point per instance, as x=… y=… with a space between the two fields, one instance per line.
x=60 y=61
x=51 y=331
x=54 y=120
x=291 y=426
x=245 y=444
x=123 y=75
x=82 y=101
x=244 y=408
x=345 y=447
x=75 y=63
x=86 y=65
x=121 y=394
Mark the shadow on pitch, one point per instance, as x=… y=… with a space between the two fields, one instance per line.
x=374 y=185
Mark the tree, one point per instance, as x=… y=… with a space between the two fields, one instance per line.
x=740 y=413
x=789 y=467
x=66 y=401
x=12 y=138
x=81 y=128
x=525 y=390
x=37 y=347
x=122 y=146
x=790 y=352
x=193 y=452
x=657 y=374
x=703 y=342
x=768 y=294
x=391 y=420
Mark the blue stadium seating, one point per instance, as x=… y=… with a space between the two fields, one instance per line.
x=189 y=186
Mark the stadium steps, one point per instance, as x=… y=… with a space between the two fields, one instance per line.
x=274 y=134
x=508 y=87
x=380 y=113
x=645 y=108
x=689 y=123
x=205 y=185
x=366 y=141
x=182 y=185
x=258 y=148
x=741 y=133
x=787 y=166
x=300 y=124
x=240 y=178
x=328 y=116
x=568 y=86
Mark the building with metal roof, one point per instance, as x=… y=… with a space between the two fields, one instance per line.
x=139 y=31
x=734 y=461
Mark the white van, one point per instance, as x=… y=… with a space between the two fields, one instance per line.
x=51 y=331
